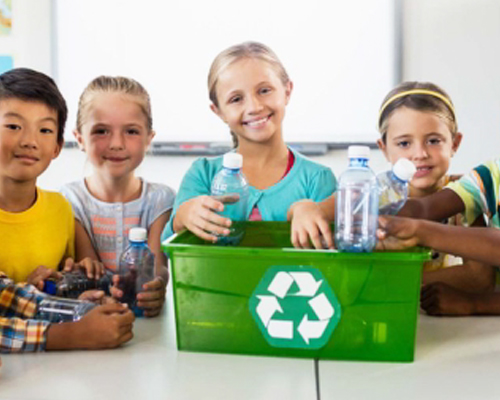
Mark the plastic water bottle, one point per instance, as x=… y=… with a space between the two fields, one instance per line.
x=137 y=267
x=55 y=309
x=231 y=188
x=393 y=186
x=74 y=283
x=356 y=207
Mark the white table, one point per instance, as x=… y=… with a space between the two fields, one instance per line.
x=456 y=358
x=150 y=367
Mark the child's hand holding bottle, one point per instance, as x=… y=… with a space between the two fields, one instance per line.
x=310 y=224
x=199 y=215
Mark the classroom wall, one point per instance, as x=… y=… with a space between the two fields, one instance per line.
x=451 y=42
x=456 y=44
x=30 y=41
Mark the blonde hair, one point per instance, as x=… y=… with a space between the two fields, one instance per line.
x=421 y=96
x=114 y=84
x=246 y=50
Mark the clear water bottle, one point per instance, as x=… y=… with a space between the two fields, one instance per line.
x=356 y=206
x=231 y=188
x=137 y=267
x=393 y=186
x=55 y=309
x=74 y=283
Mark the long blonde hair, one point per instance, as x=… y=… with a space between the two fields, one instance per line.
x=250 y=50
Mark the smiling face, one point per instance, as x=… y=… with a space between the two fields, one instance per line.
x=114 y=134
x=251 y=100
x=426 y=140
x=28 y=139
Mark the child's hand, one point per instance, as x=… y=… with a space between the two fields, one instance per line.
x=310 y=224
x=396 y=233
x=97 y=297
x=104 y=327
x=150 y=300
x=441 y=299
x=40 y=275
x=94 y=269
x=200 y=217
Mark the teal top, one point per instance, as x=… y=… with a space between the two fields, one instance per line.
x=306 y=180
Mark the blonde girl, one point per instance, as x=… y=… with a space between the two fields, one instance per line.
x=115 y=128
x=249 y=90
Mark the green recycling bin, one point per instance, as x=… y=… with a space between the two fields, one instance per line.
x=263 y=297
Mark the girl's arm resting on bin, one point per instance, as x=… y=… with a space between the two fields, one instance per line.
x=435 y=207
x=479 y=244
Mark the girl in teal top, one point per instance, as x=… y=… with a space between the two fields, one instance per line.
x=249 y=90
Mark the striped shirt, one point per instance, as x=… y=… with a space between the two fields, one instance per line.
x=479 y=192
x=107 y=224
x=19 y=332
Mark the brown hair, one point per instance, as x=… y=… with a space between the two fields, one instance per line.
x=114 y=84
x=417 y=101
x=249 y=50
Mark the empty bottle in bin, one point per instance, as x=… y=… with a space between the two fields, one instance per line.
x=74 y=283
x=57 y=310
x=231 y=187
x=393 y=186
x=356 y=206
x=137 y=267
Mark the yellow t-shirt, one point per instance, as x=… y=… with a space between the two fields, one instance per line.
x=42 y=235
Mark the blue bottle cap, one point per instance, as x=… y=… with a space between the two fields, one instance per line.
x=50 y=287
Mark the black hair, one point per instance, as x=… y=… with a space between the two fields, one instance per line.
x=29 y=85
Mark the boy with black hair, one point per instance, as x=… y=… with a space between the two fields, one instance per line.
x=37 y=226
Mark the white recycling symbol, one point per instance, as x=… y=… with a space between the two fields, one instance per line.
x=269 y=305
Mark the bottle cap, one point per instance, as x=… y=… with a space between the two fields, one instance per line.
x=137 y=235
x=404 y=169
x=50 y=287
x=232 y=161
x=358 y=152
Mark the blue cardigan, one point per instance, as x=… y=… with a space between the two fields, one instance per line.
x=306 y=180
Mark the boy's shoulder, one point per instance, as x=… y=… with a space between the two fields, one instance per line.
x=54 y=201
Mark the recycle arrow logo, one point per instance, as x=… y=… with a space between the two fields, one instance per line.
x=294 y=306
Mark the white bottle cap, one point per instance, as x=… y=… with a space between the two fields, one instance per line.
x=404 y=169
x=358 y=152
x=232 y=161
x=137 y=235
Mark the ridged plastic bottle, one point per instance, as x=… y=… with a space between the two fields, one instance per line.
x=356 y=206
x=393 y=186
x=137 y=267
x=74 y=283
x=231 y=187
x=59 y=310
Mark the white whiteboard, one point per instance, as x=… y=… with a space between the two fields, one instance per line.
x=339 y=54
